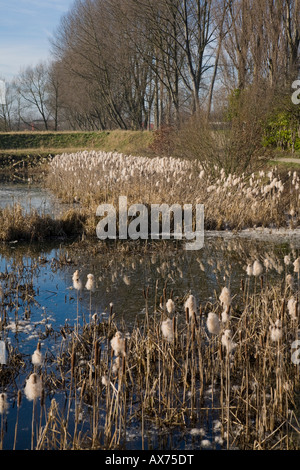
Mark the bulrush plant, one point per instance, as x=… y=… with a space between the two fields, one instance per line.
x=33 y=391
x=232 y=201
x=87 y=179
x=90 y=286
x=175 y=371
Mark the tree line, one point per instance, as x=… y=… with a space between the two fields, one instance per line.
x=145 y=64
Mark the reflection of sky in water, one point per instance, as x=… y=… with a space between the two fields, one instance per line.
x=29 y=197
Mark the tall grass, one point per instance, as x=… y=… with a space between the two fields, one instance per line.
x=233 y=201
x=19 y=224
x=263 y=199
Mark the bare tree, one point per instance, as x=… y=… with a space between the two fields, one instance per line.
x=220 y=14
x=292 y=28
x=32 y=86
x=54 y=92
x=90 y=42
x=140 y=61
x=236 y=44
x=6 y=108
x=262 y=43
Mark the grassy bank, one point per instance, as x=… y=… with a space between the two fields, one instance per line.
x=30 y=148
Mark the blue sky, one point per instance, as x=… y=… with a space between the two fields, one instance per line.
x=25 y=29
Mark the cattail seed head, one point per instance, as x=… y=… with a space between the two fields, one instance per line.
x=226 y=314
x=105 y=380
x=225 y=297
x=90 y=285
x=257 y=268
x=77 y=284
x=168 y=330
x=276 y=330
x=37 y=357
x=3 y=403
x=33 y=387
x=116 y=364
x=297 y=265
x=97 y=353
x=249 y=270
x=170 y=306
x=227 y=342
x=19 y=398
x=191 y=305
x=118 y=344
x=43 y=397
x=213 y=323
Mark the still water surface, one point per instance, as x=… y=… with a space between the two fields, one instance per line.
x=29 y=197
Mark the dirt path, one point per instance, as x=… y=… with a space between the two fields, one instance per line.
x=288 y=160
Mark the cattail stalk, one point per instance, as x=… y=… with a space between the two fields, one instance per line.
x=19 y=399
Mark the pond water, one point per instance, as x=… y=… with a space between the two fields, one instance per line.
x=30 y=196
x=44 y=272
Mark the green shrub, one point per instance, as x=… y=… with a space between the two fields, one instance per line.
x=281 y=132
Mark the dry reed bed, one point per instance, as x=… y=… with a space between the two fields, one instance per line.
x=180 y=366
x=19 y=224
x=231 y=201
